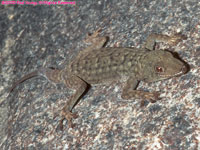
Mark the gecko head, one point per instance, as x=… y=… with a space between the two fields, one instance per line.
x=162 y=65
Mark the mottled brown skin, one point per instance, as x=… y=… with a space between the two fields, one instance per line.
x=97 y=65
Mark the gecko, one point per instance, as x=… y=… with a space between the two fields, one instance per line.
x=98 y=64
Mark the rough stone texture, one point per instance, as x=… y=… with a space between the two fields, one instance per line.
x=32 y=37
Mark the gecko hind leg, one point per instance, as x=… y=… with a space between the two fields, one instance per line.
x=80 y=86
x=96 y=41
x=60 y=76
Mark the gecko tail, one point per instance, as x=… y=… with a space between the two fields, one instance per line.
x=49 y=73
x=24 y=78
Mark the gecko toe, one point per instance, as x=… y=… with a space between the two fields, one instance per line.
x=68 y=116
x=175 y=39
x=154 y=97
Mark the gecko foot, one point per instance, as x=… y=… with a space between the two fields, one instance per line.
x=68 y=116
x=95 y=34
x=91 y=38
x=95 y=40
x=153 y=97
x=176 y=38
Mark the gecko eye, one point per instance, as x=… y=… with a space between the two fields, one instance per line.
x=159 y=69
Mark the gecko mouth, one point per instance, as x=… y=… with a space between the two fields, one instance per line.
x=183 y=70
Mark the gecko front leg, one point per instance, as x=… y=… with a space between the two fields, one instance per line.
x=171 y=40
x=130 y=92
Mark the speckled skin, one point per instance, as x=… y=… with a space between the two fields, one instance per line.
x=97 y=65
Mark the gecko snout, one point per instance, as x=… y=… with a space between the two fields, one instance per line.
x=184 y=69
